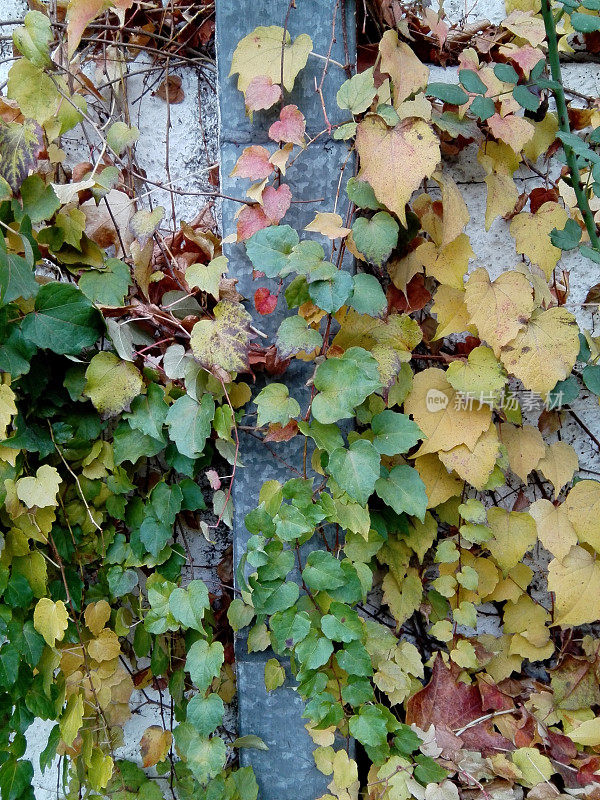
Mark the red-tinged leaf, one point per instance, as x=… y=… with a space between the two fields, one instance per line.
x=526 y=57
x=587 y=771
x=539 y=196
x=416 y=297
x=81 y=12
x=262 y=93
x=276 y=202
x=20 y=146
x=290 y=127
x=492 y=698
x=170 y=90
x=277 y=433
x=251 y=219
x=213 y=479
x=450 y=705
x=264 y=301
x=253 y=163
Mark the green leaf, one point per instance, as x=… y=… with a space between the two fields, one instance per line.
x=111 y=384
x=291 y=524
x=20 y=146
x=275 y=405
x=189 y=423
x=326 y=437
x=428 y=771
x=585 y=23
x=288 y=628
x=358 y=92
x=204 y=757
x=109 y=286
x=471 y=81
x=15 y=778
x=322 y=571
x=30 y=644
x=344 y=383
x=368 y=297
x=130 y=444
x=404 y=491
x=362 y=195
x=37 y=96
x=121 y=136
x=17 y=278
x=375 y=238
x=314 y=650
x=355 y=469
x=295 y=335
x=526 y=99
x=39 y=201
x=341 y=624
x=331 y=293
x=149 y=412
x=591 y=378
x=506 y=73
x=482 y=107
x=355 y=660
x=369 y=726
x=203 y=662
x=63 y=320
x=9 y=665
x=269 y=248
x=394 y=433
x=205 y=713
x=121 y=581
x=447 y=93
x=272 y=596
x=568 y=237
x=188 y=605
x=154 y=534
x=33 y=38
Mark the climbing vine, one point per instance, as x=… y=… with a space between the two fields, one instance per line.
x=436 y=487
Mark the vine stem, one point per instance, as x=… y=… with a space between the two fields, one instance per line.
x=564 y=126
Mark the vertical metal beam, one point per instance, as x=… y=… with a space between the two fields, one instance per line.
x=287 y=768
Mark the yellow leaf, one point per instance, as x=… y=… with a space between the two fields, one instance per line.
x=451 y=312
x=440 y=484
x=402 y=270
x=526 y=26
x=524 y=446
x=575 y=581
x=514 y=534
x=96 y=616
x=558 y=465
x=583 y=510
x=455 y=213
x=442 y=417
x=586 y=734
x=502 y=194
x=480 y=377
x=260 y=53
x=474 y=466
x=155 y=745
x=110 y=383
x=50 y=620
x=383 y=151
x=71 y=719
x=545 y=134
x=39 y=491
x=545 y=352
x=328 y=224
x=398 y=61
x=554 y=528
x=500 y=308
x=531 y=233
x=448 y=264
x=503 y=664
x=535 y=767
x=498 y=157
x=7 y=408
x=345 y=771
x=528 y=618
x=405 y=598
x=105 y=646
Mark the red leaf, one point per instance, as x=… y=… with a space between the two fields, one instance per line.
x=276 y=202
x=290 y=126
x=264 y=301
x=416 y=297
x=278 y=434
x=250 y=220
x=261 y=93
x=451 y=705
x=170 y=90
x=253 y=163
